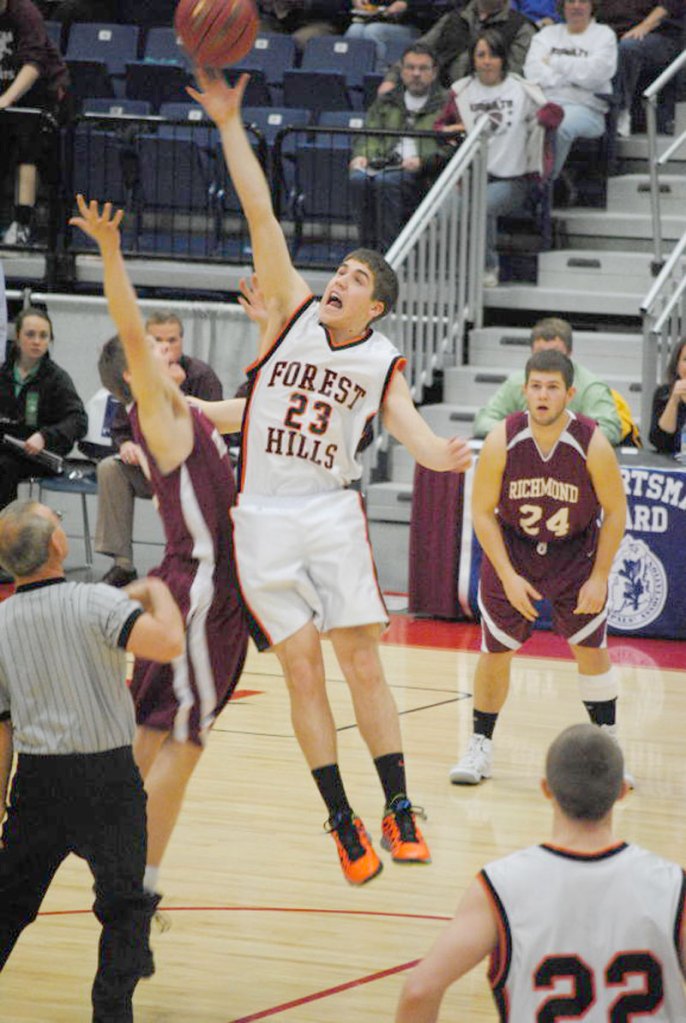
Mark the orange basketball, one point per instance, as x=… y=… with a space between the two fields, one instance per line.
x=216 y=33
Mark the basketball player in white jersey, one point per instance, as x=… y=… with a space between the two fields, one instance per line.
x=581 y=927
x=305 y=564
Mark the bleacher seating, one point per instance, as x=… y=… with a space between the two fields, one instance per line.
x=117 y=107
x=162 y=46
x=272 y=54
x=316 y=90
x=353 y=58
x=111 y=44
x=90 y=79
x=156 y=83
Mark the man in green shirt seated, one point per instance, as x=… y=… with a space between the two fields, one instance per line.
x=593 y=397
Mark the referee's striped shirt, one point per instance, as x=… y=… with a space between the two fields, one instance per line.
x=63 y=667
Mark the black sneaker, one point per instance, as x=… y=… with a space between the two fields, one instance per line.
x=118 y=576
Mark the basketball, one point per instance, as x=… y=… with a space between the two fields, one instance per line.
x=216 y=33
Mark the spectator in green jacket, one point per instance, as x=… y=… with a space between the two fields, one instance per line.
x=593 y=397
x=389 y=176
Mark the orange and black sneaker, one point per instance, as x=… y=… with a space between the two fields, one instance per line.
x=359 y=862
x=400 y=834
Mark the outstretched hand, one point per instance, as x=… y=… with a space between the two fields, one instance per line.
x=103 y=227
x=252 y=301
x=458 y=454
x=219 y=100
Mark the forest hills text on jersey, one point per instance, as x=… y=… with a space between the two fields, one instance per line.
x=318 y=380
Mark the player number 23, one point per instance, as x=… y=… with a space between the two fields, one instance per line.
x=643 y=999
x=298 y=408
x=531 y=514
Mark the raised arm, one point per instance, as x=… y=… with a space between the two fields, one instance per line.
x=279 y=279
x=606 y=477
x=403 y=422
x=469 y=937
x=485 y=497
x=162 y=411
x=158 y=635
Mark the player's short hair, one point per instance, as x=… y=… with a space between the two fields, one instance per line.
x=32 y=310
x=385 y=278
x=584 y=769
x=550 y=328
x=24 y=538
x=111 y=366
x=550 y=361
x=163 y=316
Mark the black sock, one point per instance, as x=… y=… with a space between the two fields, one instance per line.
x=330 y=784
x=23 y=214
x=602 y=712
x=391 y=771
x=484 y=723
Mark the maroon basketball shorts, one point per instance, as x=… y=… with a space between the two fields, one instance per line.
x=558 y=574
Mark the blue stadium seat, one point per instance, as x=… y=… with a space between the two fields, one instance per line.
x=174 y=174
x=98 y=167
x=157 y=83
x=197 y=127
x=90 y=80
x=370 y=85
x=351 y=57
x=111 y=44
x=257 y=92
x=269 y=121
x=117 y=107
x=339 y=119
x=273 y=54
x=316 y=90
x=321 y=199
x=162 y=46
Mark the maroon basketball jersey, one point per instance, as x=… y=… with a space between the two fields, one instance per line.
x=193 y=503
x=548 y=499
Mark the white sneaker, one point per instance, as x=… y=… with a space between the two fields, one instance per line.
x=17 y=234
x=475 y=765
x=611 y=730
x=624 y=124
x=490 y=278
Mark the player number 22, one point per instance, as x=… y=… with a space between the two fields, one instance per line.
x=298 y=408
x=642 y=1001
x=531 y=514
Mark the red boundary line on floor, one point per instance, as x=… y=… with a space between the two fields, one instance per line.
x=271 y=909
x=326 y=993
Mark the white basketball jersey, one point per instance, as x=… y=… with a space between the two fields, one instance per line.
x=308 y=407
x=587 y=937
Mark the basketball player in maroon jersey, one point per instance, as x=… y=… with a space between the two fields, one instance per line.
x=541 y=482
x=192 y=478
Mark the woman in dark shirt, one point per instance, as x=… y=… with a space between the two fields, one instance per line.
x=38 y=403
x=669 y=404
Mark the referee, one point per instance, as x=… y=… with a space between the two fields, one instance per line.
x=65 y=707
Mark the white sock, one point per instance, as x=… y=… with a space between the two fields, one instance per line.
x=150 y=878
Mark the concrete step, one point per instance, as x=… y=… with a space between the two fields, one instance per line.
x=595 y=270
x=635 y=149
x=450 y=419
x=389 y=506
x=539 y=301
x=475 y=383
x=631 y=192
x=580 y=223
x=599 y=351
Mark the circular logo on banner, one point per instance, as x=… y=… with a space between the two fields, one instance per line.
x=637 y=588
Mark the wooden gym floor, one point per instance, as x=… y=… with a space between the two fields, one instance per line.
x=263 y=925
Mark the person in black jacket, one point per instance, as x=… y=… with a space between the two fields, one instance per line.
x=668 y=416
x=38 y=403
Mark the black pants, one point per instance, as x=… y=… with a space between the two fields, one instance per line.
x=94 y=806
x=13 y=469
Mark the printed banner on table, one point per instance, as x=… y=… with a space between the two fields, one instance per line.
x=648 y=579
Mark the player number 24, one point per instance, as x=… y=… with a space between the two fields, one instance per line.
x=531 y=514
x=642 y=1001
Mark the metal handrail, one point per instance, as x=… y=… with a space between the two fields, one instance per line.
x=438 y=257
x=664 y=323
x=650 y=98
